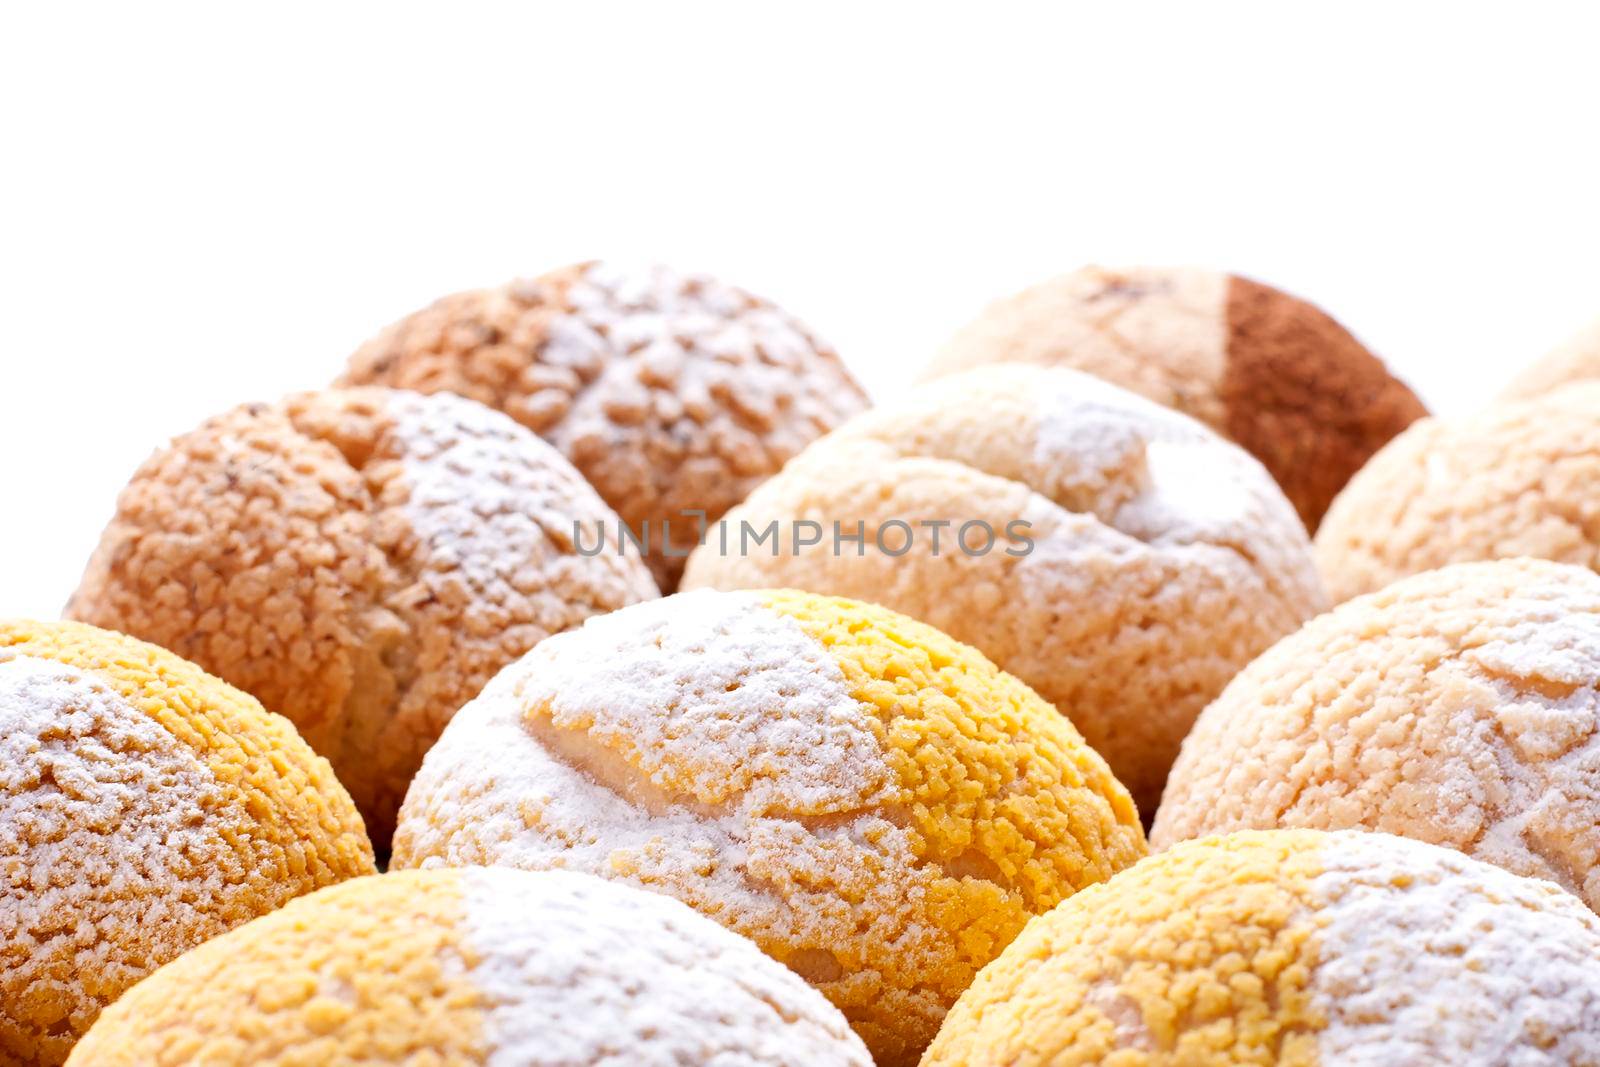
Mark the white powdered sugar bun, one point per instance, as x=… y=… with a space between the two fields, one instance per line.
x=1125 y=490
x=575 y=970
x=784 y=744
x=673 y=393
x=488 y=498
x=755 y=697
x=1429 y=957
x=107 y=833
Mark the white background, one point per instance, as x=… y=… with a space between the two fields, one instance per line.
x=204 y=205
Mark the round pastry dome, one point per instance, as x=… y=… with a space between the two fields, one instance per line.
x=1516 y=479
x=1259 y=366
x=871 y=802
x=673 y=393
x=1577 y=360
x=1459 y=707
x=482 y=966
x=1148 y=558
x=1294 y=947
x=145 y=807
x=361 y=560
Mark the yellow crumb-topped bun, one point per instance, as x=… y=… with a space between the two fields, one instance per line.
x=145 y=807
x=362 y=560
x=1457 y=706
x=465 y=967
x=1297 y=948
x=873 y=803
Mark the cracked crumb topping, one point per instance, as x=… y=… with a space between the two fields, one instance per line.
x=1459 y=707
x=1512 y=480
x=1293 y=947
x=1163 y=557
x=872 y=803
x=144 y=808
x=669 y=391
x=481 y=966
x=362 y=560
x=1271 y=372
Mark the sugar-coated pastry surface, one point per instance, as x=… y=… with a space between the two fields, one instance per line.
x=670 y=391
x=873 y=803
x=145 y=807
x=1515 y=479
x=475 y=967
x=1294 y=948
x=1160 y=559
x=361 y=560
x=1259 y=366
x=1458 y=706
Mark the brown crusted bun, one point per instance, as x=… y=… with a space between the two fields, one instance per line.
x=1268 y=370
x=1575 y=361
x=670 y=392
x=361 y=560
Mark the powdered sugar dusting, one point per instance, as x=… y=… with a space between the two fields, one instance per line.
x=491 y=500
x=770 y=810
x=1089 y=443
x=1556 y=637
x=1197 y=492
x=670 y=730
x=715 y=697
x=1525 y=766
x=1524 y=759
x=672 y=321
x=1429 y=957
x=693 y=392
x=1154 y=473
x=576 y=970
x=1162 y=480
x=112 y=864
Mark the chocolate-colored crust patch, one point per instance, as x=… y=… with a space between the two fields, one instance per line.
x=1304 y=396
